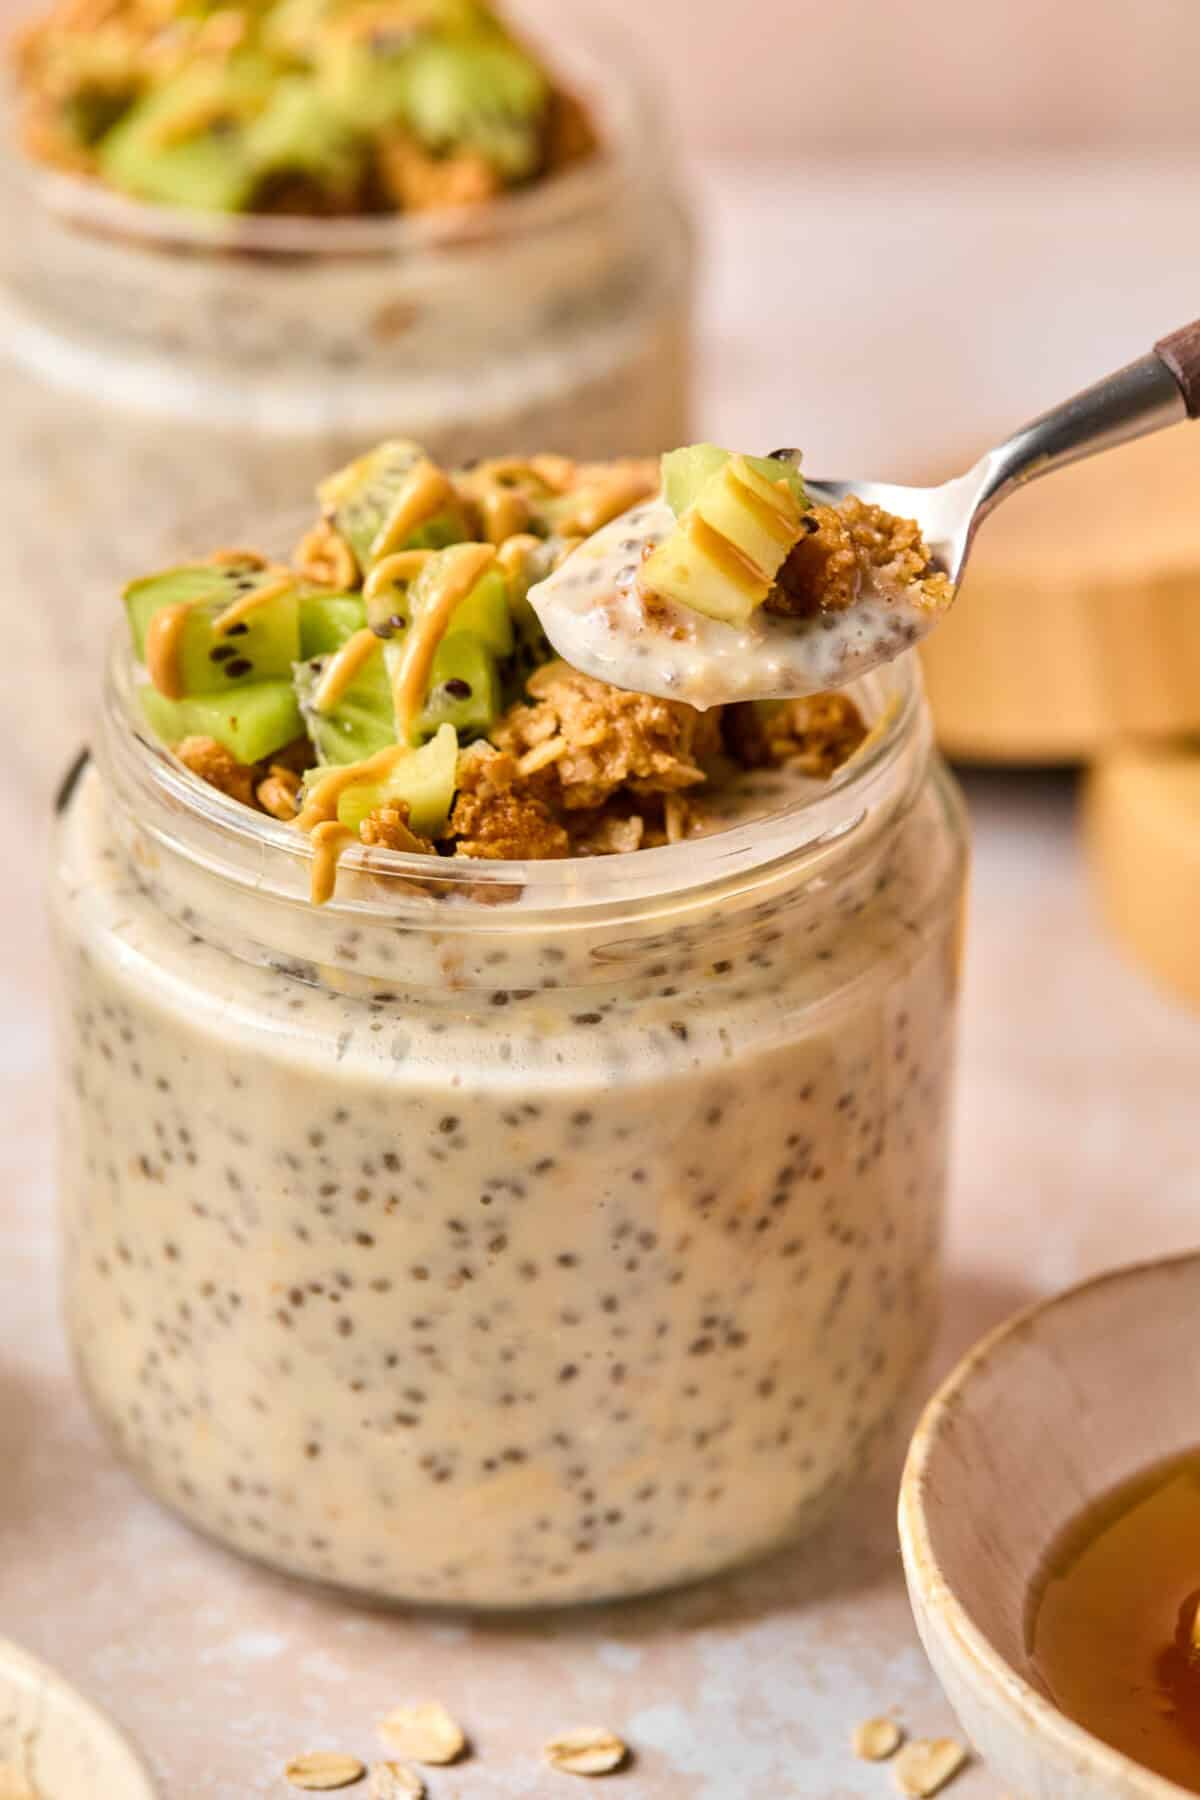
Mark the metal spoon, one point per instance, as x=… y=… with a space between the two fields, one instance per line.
x=1157 y=390
x=596 y=617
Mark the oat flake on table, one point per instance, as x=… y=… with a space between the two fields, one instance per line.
x=876 y=1739
x=590 y=1750
x=927 y=1765
x=395 y=1781
x=318 y=1770
x=426 y=1733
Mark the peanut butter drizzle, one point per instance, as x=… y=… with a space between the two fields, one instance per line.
x=329 y=839
x=600 y=502
x=464 y=565
x=401 y=565
x=320 y=806
x=342 y=667
x=245 y=604
x=425 y=489
x=164 y=640
x=504 y=512
x=512 y=552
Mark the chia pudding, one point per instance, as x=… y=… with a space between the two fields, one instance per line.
x=511 y=1231
x=164 y=363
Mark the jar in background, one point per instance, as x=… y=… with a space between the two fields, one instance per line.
x=153 y=356
x=505 y=1234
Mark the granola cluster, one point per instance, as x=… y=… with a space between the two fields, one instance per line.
x=845 y=545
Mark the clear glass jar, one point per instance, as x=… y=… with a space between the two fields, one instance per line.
x=505 y=1234
x=154 y=356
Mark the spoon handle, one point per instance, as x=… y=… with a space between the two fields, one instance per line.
x=1160 y=389
x=1180 y=351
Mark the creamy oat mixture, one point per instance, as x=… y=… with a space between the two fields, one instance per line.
x=452 y=1249
x=856 y=591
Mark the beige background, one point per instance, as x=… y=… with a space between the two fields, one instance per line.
x=866 y=74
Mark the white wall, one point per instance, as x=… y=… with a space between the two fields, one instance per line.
x=865 y=74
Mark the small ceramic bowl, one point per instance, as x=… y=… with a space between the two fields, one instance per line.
x=1042 y=1418
x=56 y=1744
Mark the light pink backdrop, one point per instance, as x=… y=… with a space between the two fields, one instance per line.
x=869 y=74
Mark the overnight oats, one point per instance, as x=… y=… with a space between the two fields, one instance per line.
x=238 y=243
x=504 y=1116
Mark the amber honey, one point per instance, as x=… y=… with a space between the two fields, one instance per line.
x=1113 y=1628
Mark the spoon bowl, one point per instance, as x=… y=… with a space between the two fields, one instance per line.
x=598 y=616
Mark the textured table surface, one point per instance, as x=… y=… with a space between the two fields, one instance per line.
x=1076 y=1126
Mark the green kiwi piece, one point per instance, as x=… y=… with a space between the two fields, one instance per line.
x=484 y=612
x=685 y=472
x=480 y=94
x=361 y=723
x=464 y=690
x=327 y=620
x=185 y=143
x=265 y=643
x=359 y=498
x=251 y=722
x=425 y=779
x=300 y=132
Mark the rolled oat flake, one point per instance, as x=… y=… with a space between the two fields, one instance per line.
x=395 y=1781
x=927 y=1765
x=426 y=1733
x=590 y=1750
x=876 y=1739
x=318 y=1770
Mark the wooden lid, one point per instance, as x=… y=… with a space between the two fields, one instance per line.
x=1079 y=619
x=1142 y=832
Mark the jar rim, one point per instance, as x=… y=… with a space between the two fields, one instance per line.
x=185 y=816
x=597 y=59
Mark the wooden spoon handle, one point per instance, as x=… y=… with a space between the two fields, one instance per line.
x=1180 y=351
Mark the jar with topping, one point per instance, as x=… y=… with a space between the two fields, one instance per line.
x=154 y=354
x=506 y=1234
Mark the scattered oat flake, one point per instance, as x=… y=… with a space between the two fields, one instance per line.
x=427 y=1733
x=591 y=1750
x=395 y=1781
x=877 y=1739
x=321 y=1769
x=927 y=1765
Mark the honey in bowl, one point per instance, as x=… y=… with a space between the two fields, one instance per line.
x=1113 y=1627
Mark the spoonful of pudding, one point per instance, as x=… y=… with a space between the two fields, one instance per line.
x=745 y=581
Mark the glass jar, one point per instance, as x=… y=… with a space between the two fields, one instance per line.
x=154 y=355
x=505 y=1234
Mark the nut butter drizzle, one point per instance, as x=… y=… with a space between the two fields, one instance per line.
x=424 y=492
x=342 y=668
x=318 y=816
x=462 y=567
x=164 y=634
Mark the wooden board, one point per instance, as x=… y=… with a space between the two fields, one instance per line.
x=1142 y=832
x=1079 y=619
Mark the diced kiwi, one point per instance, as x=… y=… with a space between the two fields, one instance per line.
x=327 y=620
x=361 y=722
x=724 y=554
x=484 y=611
x=184 y=144
x=484 y=95
x=359 y=500
x=685 y=472
x=264 y=644
x=464 y=690
x=251 y=722
x=301 y=132
x=425 y=779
